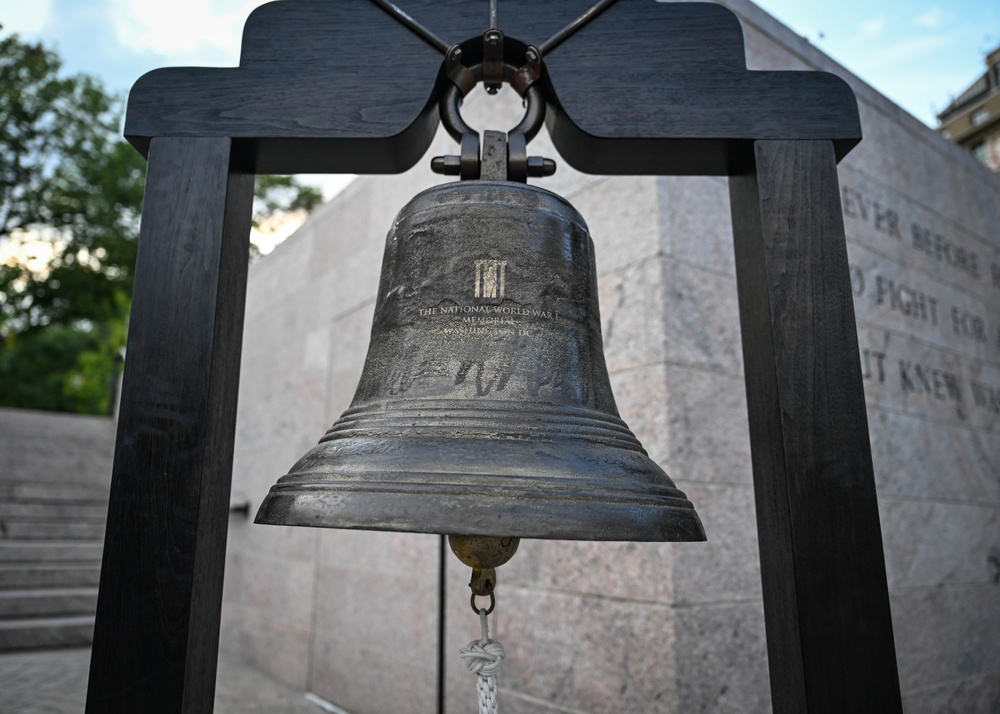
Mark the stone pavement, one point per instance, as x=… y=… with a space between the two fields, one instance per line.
x=55 y=682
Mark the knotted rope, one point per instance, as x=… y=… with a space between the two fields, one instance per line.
x=483 y=658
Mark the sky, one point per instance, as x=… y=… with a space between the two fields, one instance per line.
x=920 y=53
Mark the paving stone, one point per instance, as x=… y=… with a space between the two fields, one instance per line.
x=44 y=682
x=55 y=682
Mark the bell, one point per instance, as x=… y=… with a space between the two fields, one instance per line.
x=484 y=406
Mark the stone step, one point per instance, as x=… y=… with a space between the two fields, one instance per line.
x=46 y=492
x=41 y=551
x=46 y=632
x=43 y=575
x=48 y=602
x=15 y=510
x=51 y=530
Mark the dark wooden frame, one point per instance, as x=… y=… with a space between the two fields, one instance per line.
x=647 y=88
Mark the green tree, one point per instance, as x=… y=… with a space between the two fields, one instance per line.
x=67 y=178
x=69 y=181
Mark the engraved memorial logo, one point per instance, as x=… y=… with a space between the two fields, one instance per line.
x=490 y=278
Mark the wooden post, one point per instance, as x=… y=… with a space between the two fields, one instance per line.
x=156 y=639
x=826 y=603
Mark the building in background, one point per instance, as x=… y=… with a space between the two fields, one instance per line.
x=973 y=120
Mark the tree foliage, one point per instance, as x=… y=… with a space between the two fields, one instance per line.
x=70 y=184
x=67 y=178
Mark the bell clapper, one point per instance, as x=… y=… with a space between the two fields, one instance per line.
x=484 y=554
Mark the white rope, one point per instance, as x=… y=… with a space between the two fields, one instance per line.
x=483 y=658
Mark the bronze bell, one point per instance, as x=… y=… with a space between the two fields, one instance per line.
x=485 y=406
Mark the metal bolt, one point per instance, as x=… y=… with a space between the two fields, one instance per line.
x=532 y=55
x=493 y=37
x=456 y=53
x=540 y=167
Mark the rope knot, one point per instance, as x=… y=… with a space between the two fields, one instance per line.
x=483 y=657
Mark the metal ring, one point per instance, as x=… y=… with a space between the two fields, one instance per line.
x=534 y=114
x=451 y=116
x=493 y=603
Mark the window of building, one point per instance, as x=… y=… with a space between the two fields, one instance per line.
x=980 y=151
x=980 y=115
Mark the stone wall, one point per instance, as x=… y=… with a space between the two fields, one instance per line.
x=623 y=627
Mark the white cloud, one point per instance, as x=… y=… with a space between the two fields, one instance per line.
x=196 y=30
x=24 y=17
x=932 y=19
x=872 y=27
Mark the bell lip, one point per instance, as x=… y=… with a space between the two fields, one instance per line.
x=574 y=487
x=510 y=515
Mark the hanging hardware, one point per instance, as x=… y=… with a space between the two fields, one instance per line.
x=550 y=44
x=484 y=554
x=493 y=601
x=494 y=16
x=458 y=74
x=414 y=26
x=493 y=60
x=498 y=157
x=573 y=27
x=483 y=159
x=529 y=72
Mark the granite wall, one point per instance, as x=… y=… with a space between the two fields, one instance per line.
x=624 y=627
